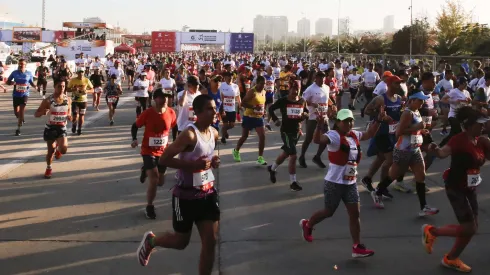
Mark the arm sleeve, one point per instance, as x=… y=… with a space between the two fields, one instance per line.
x=134 y=131
x=274 y=107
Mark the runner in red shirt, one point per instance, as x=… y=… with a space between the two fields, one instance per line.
x=158 y=122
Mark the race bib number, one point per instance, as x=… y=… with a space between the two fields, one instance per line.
x=158 y=141
x=427 y=120
x=436 y=98
x=392 y=127
x=474 y=178
x=294 y=111
x=21 y=88
x=192 y=114
x=112 y=99
x=350 y=173
x=168 y=91
x=229 y=101
x=269 y=86
x=259 y=110
x=370 y=85
x=98 y=90
x=416 y=140
x=58 y=118
x=323 y=109
x=247 y=86
x=204 y=180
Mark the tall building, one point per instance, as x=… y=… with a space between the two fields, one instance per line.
x=304 y=28
x=270 y=27
x=344 y=26
x=324 y=27
x=389 y=24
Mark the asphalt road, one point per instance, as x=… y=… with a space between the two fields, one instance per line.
x=88 y=219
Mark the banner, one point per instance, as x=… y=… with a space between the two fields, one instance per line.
x=26 y=34
x=202 y=38
x=63 y=35
x=86 y=25
x=242 y=42
x=70 y=49
x=163 y=42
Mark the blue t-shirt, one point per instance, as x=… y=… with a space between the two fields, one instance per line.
x=217 y=101
x=22 y=81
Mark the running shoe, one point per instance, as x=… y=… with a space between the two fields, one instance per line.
x=227 y=136
x=111 y=123
x=268 y=127
x=17 y=132
x=143 y=175
x=261 y=161
x=378 y=200
x=444 y=132
x=74 y=128
x=455 y=264
x=223 y=140
x=318 y=161
x=238 y=117
x=48 y=173
x=145 y=249
x=428 y=211
x=386 y=194
x=367 y=183
x=306 y=231
x=57 y=153
x=272 y=174
x=360 y=251
x=150 y=212
x=236 y=155
x=302 y=162
x=352 y=108
x=427 y=238
x=79 y=132
x=402 y=187
x=295 y=187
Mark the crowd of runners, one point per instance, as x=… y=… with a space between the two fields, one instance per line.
x=188 y=102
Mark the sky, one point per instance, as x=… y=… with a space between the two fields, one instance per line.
x=227 y=15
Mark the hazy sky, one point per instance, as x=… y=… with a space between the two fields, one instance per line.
x=224 y=14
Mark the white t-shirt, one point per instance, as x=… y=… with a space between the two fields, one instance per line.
x=144 y=83
x=167 y=84
x=335 y=172
x=109 y=64
x=319 y=95
x=447 y=85
x=81 y=62
x=481 y=82
x=276 y=71
x=370 y=78
x=186 y=112
x=229 y=93
x=96 y=65
x=474 y=84
x=323 y=67
x=339 y=75
x=456 y=94
x=354 y=80
x=118 y=72
x=140 y=68
x=381 y=88
x=345 y=64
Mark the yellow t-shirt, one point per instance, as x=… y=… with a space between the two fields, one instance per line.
x=257 y=101
x=84 y=84
x=284 y=82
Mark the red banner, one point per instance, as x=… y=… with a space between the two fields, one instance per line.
x=163 y=42
x=62 y=35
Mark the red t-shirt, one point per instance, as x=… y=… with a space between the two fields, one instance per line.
x=464 y=156
x=332 y=83
x=157 y=128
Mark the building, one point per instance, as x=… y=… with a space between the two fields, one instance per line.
x=10 y=25
x=304 y=28
x=389 y=24
x=93 y=20
x=344 y=26
x=324 y=27
x=270 y=27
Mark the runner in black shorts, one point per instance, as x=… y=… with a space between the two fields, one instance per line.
x=42 y=73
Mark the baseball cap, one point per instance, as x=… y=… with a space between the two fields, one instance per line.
x=344 y=114
x=419 y=95
x=81 y=69
x=160 y=93
x=387 y=74
x=143 y=73
x=193 y=80
x=392 y=79
x=482 y=120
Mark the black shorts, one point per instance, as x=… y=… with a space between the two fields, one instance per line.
x=114 y=104
x=340 y=92
x=141 y=100
x=150 y=162
x=289 y=140
x=130 y=72
x=188 y=212
x=75 y=106
x=464 y=203
x=368 y=94
x=54 y=132
x=385 y=143
x=230 y=117
x=283 y=93
x=353 y=92
x=41 y=81
x=18 y=101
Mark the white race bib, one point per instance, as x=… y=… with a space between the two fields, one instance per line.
x=112 y=99
x=269 y=86
x=247 y=86
x=323 y=109
x=436 y=98
x=474 y=178
x=350 y=173
x=294 y=111
x=416 y=140
x=98 y=90
x=392 y=127
x=261 y=111
x=427 y=120
x=158 y=141
x=21 y=88
x=229 y=101
x=192 y=115
x=57 y=118
x=168 y=90
x=203 y=180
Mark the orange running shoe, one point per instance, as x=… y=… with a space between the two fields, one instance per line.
x=48 y=173
x=428 y=238
x=455 y=264
x=57 y=154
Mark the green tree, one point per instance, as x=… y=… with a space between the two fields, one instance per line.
x=420 y=38
x=303 y=44
x=374 y=43
x=326 y=45
x=353 y=45
x=449 y=25
x=472 y=36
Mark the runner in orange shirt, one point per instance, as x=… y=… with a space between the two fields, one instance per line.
x=158 y=121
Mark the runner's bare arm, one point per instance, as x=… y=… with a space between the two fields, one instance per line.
x=43 y=109
x=373 y=106
x=439 y=152
x=318 y=136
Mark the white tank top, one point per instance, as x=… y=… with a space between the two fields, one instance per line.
x=58 y=112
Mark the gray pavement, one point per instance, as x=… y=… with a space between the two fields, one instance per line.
x=88 y=219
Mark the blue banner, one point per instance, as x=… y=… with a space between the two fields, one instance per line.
x=242 y=42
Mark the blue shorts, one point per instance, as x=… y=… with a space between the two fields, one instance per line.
x=252 y=122
x=384 y=143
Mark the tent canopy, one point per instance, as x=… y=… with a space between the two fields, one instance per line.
x=124 y=48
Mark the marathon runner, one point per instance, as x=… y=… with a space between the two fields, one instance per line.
x=58 y=106
x=157 y=120
x=230 y=96
x=140 y=86
x=195 y=198
x=270 y=90
x=79 y=86
x=97 y=80
x=370 y=79
x=21 y=79
x=214 y=91
x=185 y=98
x=112 y=92
x=354 y=81
x=42 y=73
x=63 y=73
x=293 y=111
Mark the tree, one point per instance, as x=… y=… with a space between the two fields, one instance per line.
x=326 y=45
x=472 y=36
x=449 y=25
x=374 y=43
x=420 y=38
x=303 y=45
x=353 y=45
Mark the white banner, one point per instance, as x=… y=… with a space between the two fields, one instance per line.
x=90 y=48
x=202 y=38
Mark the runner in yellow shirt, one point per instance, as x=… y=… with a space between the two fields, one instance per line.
x=79 y=87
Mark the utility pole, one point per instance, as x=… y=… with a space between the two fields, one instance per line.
x=338 y=30
x=411 y=28
x=43 y=24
